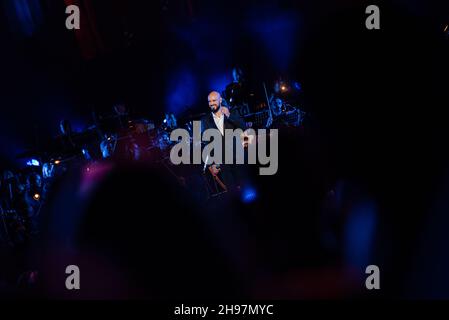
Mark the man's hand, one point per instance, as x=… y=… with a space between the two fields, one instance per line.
x=214 y=170
x=225 y=111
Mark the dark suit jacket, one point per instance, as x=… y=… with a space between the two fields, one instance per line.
x=233 y=122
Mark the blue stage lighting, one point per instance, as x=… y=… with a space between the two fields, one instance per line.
x=297 y=86
x=249 y=195
x=33 y=163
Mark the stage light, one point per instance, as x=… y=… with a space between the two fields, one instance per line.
x=36 y=196
x=249 y=195
x=33 y=163
x=57 y=162
x=297 y=86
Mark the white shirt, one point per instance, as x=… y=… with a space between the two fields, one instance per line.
x=219 y=122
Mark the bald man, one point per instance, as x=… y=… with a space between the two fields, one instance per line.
x=220 y=118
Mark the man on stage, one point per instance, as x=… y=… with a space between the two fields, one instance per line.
x=220 y=118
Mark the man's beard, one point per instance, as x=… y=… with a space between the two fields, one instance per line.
x=215 y=110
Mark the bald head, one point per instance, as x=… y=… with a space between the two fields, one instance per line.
x=215 y=101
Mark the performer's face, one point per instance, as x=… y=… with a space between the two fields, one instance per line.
x=214 y=102
x=278 y=103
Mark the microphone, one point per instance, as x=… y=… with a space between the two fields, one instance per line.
x=205 y=164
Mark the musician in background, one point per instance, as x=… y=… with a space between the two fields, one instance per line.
x=170 y=121
x=236 y=94
x=275 y=112
x=119 y=141
x=279 y=112
x=278 y=107
x=108 y=145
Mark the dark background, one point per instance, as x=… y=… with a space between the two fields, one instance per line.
x=378 y=98
x=167 y=55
